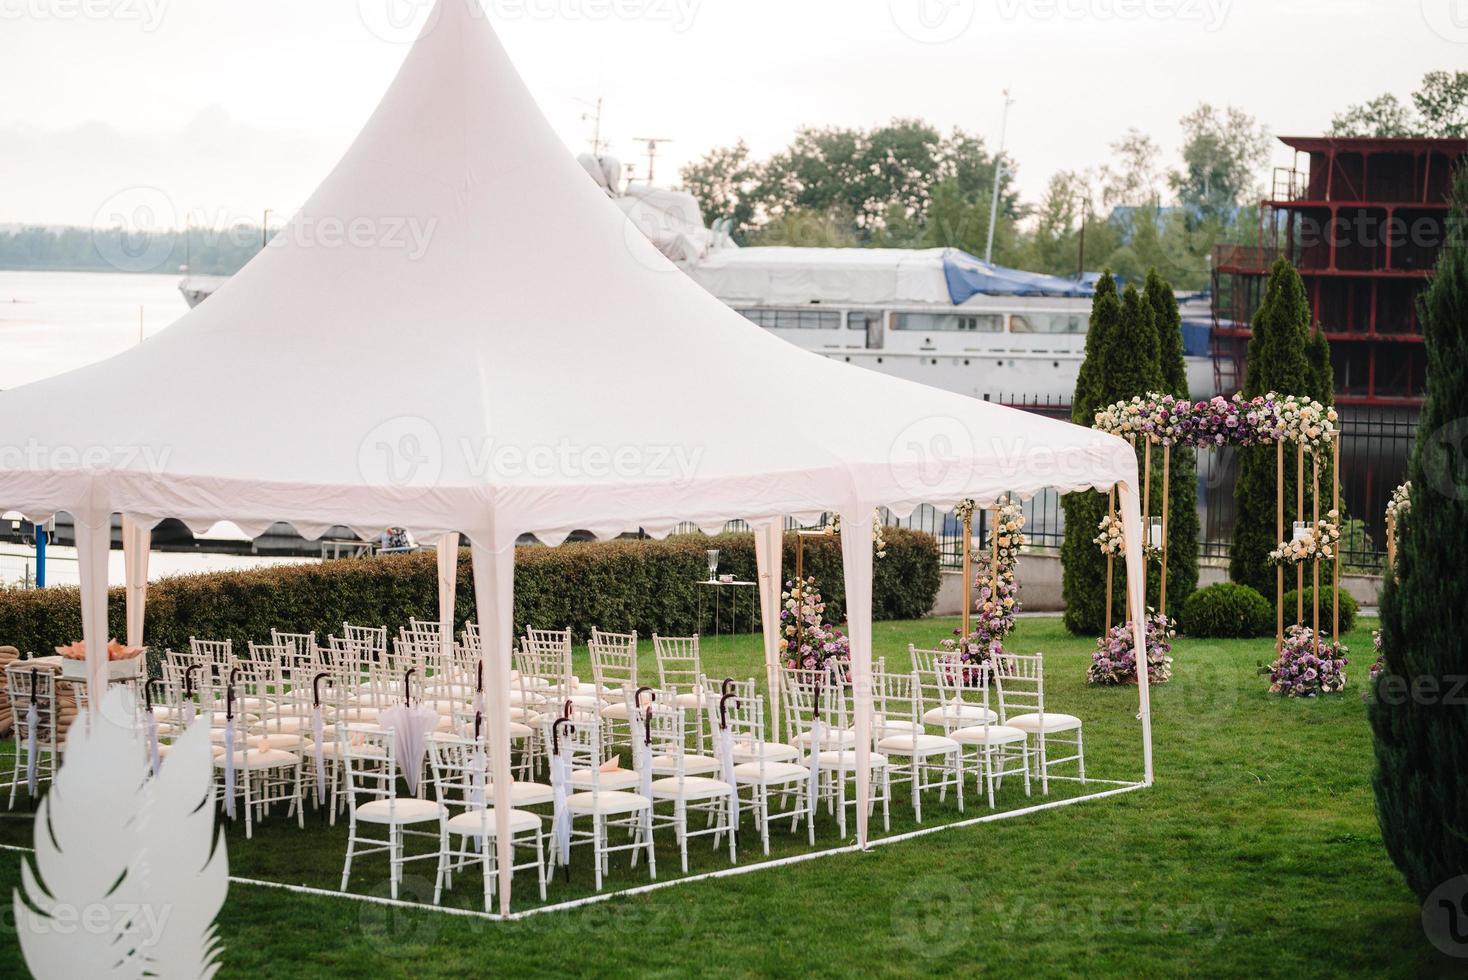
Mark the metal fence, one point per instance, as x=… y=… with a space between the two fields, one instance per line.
x=1376 y=445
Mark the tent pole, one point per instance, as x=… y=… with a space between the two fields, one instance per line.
x=448 y=588
x=1131 y=523
x=769 y=545
x=1146 y=520
x=856 y=554
x=494 y=596
x=92 y=545
x=136 y=543
x=1110 y=561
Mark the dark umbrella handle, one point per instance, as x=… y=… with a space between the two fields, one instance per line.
x=478 y=724
x=637 y=696
x=728 y=683
x=316 y=688
x=34 y=685
x=189 y=680
x=407 y=686
x=724 y=711
x=647 y=727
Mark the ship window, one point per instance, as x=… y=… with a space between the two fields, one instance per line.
x=1053 y=323
x=949 y=322
x=863 y=319
x=794 y=319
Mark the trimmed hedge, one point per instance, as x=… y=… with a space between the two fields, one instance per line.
x=1349 y=608
x=1227 y=610
x=649 y=586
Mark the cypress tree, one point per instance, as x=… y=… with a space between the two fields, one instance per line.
x=1276 y=363
x=1421 y=727
x=1182 y=518
x=1121 y=361
x=1322 y=375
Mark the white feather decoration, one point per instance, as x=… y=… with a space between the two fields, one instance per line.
x=124 y=884
x=183 y=867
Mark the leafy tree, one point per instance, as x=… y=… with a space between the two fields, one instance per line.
x=1442 y=102
x=1223 y=150
x=1134 y=179
x=1121 y=361
x=1384 y=116
x=1182 y=518
x=807 y=229
x=1322 y=375
x=724 y=181
x=1439 y=109
x=1275 y=362
x=1420 y=784
x=881 y=183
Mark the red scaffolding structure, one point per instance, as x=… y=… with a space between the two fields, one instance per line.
x=1363 y=221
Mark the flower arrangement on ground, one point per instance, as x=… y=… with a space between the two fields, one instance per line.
x=1308 y=666
x=807 y=641
x=1319 y=545
x=1114 y=660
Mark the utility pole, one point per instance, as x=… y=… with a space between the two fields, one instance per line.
x=998 y=176
x=652 y=154
x=594 y=117
x=1081 y=261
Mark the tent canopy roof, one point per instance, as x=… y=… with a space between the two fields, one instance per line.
x=410 y=352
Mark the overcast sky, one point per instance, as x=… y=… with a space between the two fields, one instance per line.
x=233 y=107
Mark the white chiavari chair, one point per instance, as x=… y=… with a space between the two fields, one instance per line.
x=993 y=744
x=469 y=822
x=373 y=804
x=763 y=773
x=935 y=712
x=839 y=763
x=680 y=672
x=29 y=687
x=933 y=761
x=661 y=727
x=1020 y=683
x=614 y=670
x=601 y=796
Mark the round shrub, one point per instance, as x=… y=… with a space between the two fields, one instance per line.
x=1227 y=610
x=1349 y=607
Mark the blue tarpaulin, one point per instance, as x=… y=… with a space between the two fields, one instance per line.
x=969 y=276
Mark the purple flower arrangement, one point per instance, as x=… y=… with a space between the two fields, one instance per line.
x=1114 y=660
x=807 y=641
x=1219 y=422
x=1308 y=666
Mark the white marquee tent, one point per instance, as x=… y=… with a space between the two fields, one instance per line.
x=460 y=334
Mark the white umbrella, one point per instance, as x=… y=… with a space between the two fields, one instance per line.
x=726 y=758
x=318 y=735
x=476 y=775
x=817 y=739
x=188 y=705
x=644 y=769
x=151 y=724
x=229 y=740
x=560 y=770
x=32 y=722
x=410 y=727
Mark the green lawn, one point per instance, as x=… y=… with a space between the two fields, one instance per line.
x=1257 y=853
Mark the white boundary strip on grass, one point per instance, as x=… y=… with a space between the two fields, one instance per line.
x=1121 y=788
